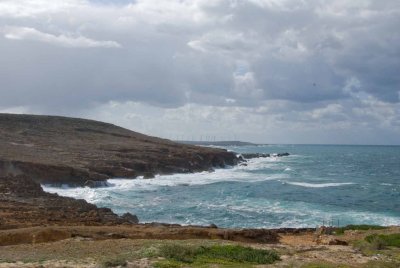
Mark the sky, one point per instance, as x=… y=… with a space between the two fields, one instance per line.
x=267 y=71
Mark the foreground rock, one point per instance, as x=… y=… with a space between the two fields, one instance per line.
x=61 y=150
x=23 y=203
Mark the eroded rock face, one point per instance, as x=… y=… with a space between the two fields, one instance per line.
x=59 y=150
x=23 y=203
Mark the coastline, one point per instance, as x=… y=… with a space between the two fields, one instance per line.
x=37 y=150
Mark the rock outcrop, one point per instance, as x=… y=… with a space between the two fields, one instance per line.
x=23 y=203
x=61 y=150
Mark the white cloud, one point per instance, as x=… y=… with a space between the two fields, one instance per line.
x=34 y=8
x=223 y=42
x=246 y=86
x=332 y=109
x=26 y=33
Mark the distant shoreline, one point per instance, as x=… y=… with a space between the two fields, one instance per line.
x=243 y=143
x=220 y=143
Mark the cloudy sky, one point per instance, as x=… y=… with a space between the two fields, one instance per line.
x=275 y=71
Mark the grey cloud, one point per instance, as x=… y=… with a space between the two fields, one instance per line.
x=287 y=62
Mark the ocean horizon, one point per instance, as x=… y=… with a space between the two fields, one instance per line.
x=316 y=184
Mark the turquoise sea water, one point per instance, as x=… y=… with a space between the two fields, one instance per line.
x=315 y=184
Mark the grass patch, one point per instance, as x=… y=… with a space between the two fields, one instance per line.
x=366 y=248
x=240 y=254
x=219 y=254
x=390 y=240
x=167 y=264
x=379 y=243
x=360 y=227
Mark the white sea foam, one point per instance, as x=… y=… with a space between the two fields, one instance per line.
x=318 y=185
x=271 y=163
x=192 y=179
x=166 y=199
x=92 y=195
x=234 y=174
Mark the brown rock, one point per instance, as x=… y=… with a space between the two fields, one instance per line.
x=130 y=218
x=23 y=203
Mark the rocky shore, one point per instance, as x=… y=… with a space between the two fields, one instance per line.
x=61 y=150
x=24 y=204
x=38 y=150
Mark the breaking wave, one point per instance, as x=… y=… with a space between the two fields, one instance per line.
x=257 y=195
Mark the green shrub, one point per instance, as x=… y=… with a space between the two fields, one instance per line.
x=391 y=240
x=179 y=253
x=240 y=254
x=222 y=254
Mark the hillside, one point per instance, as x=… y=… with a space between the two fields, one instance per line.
x=61 y=150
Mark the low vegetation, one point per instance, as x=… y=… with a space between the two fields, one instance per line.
x=375 y=242
x=178 y=255
x=389 y=240
x=386 y=246
x=361 y=227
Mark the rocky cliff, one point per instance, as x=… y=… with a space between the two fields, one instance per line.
x=61 y=150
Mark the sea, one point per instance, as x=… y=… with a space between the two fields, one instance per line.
x=316 y=185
